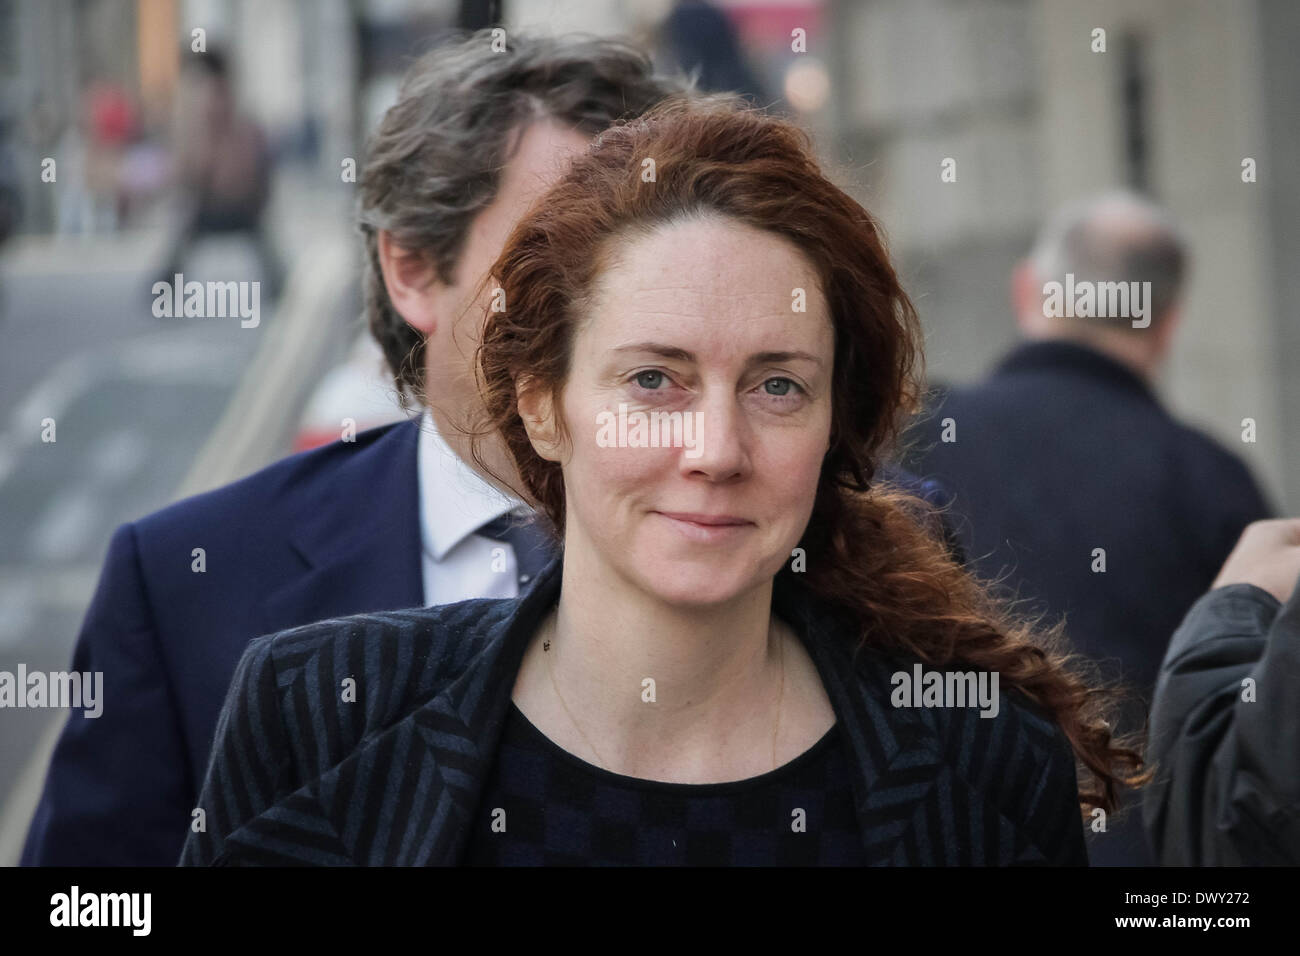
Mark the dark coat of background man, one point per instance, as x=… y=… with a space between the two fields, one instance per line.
x=1064 y=457
x=395 y=519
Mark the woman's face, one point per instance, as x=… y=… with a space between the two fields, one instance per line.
x=698 y=409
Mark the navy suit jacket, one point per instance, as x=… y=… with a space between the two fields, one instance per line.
x=328 y=532
x=1064 y=450
x=300 y=776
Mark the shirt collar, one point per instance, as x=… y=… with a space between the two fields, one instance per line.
x=1063 y=355
x=455 y=501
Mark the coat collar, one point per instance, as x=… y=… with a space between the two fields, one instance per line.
x=356 y=530
x=1060 y=355
x=460 y=728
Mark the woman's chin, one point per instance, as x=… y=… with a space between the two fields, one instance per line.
x=688 y=584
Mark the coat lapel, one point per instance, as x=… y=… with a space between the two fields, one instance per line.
x=459 y=730
x=480 y=700
x=357 y=535
x=892 y=752
x=407 y=796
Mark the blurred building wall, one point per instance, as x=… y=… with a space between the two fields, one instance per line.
x=295 y=65
x=39 y=94
x=601 y=17
x=1011 y=89
x=1279 y=26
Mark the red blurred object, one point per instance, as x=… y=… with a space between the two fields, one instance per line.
x=112 y=115
x=314 y=438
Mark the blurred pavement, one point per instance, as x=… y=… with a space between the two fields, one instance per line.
x=136 y=399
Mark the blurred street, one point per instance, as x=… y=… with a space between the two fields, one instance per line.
x=132 y=402
x=134 y=399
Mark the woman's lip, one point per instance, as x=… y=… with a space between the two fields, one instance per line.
x=702 y=533
x=706 y=521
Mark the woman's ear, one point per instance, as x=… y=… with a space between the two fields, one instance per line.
x=412 y=283
x=537 y=409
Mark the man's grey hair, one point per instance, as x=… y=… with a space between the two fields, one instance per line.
x=1119 y=236
x=436 y=160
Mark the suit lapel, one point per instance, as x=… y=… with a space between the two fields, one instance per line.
x=357 y=534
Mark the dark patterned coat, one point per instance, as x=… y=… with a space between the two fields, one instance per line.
x=298 y=776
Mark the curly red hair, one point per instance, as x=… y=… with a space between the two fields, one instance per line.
x=867 y=555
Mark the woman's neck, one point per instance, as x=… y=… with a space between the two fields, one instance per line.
x=650 y=690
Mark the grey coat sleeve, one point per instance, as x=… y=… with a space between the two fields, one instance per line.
x=1225 y=734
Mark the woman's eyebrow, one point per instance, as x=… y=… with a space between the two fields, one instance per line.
x=667 y=351
x=672 y=352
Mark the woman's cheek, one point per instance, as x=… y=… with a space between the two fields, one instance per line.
x=619 y=472
x=798 y=468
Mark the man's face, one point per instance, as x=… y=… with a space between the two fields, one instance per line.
x=543 y=154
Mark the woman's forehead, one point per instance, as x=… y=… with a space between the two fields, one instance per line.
x=717 y=271
x=709 y=245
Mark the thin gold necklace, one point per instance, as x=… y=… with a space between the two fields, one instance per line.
x=546 y=647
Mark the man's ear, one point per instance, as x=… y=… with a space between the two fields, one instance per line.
x=537 y=409
x=412 y=283
x=1165 y=330
x=1026 y=300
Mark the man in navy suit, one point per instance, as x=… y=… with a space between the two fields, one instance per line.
x=1073 y=484
x=394 y=519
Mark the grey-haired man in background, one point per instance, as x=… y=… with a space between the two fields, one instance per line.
x=1076 y=487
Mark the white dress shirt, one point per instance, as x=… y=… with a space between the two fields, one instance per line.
x=454 y=502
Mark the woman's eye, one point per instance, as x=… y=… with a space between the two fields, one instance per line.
x=650 y=379
x=779 y=386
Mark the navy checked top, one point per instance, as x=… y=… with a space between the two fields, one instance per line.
x=560 y=810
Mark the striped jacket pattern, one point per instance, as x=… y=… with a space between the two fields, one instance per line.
x=299 y=775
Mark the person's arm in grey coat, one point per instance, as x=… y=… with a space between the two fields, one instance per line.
x=1225 y=720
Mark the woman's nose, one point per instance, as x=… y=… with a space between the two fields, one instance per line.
x=719 y=439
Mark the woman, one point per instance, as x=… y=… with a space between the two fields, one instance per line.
x=749 y=653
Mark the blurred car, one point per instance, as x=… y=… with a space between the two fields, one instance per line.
x=360 y=389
